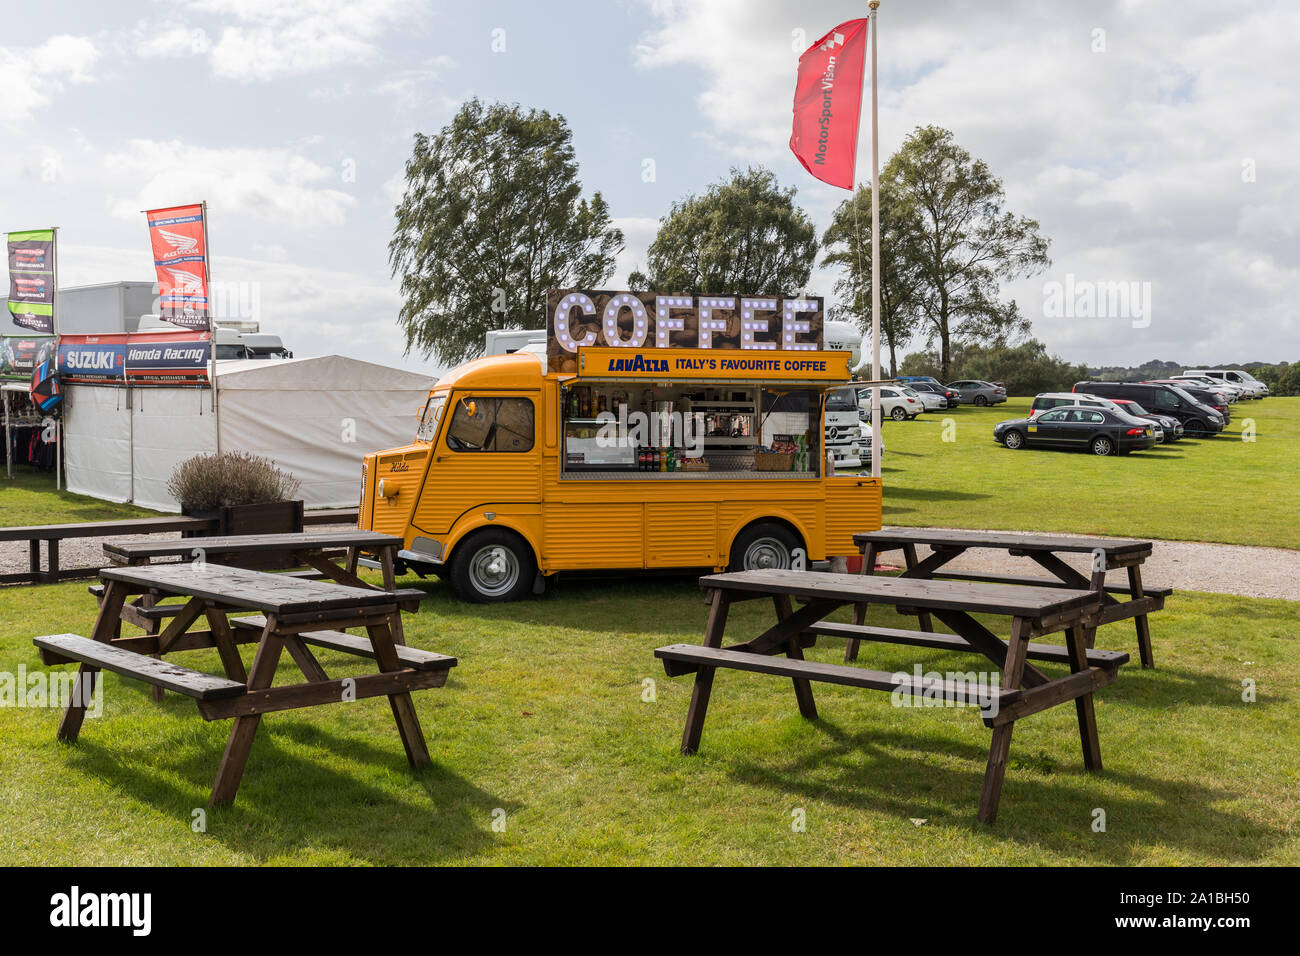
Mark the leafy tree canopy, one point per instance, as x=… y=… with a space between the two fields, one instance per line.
x=745 y=235
x=492 y=216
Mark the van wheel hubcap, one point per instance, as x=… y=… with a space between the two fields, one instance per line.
x=766 y=554
x=494 y=570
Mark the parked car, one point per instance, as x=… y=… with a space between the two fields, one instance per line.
x=933 y=401
x=1235 y=376
x=1097 y=430
x=1234 y=393
x=1046 y=401
x=913 y=380
x=1205 y=396
x=864 y=441
x=951 y=396
x=1197 y=418
x=893 y=402
x=980 y=393
x=1172 y=427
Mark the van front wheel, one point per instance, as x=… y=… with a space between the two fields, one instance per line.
x=493 y=565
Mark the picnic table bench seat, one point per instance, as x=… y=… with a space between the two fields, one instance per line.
x=682 y=659
x=411 y=657
x=1033 y=580
x=70 y=648
x=1053 y=653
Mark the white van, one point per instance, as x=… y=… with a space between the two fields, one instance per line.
x=1235 y=376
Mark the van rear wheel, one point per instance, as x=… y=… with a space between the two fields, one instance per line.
x=763 y=547
x=491 y=566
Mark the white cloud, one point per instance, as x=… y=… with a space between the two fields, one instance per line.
x=29 y=77
x=409 y=86
x=263 y=39
x=168 y=40
x=269 y=184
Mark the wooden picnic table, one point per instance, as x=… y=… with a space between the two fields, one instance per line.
x=1045 y=550
x=310 y=549
x=290 y=614
x=52 y=534
x=1022 y=690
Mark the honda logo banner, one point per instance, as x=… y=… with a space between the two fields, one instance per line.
x=180 y=257
x=31 y=280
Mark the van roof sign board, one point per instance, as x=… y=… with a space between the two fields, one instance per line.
x=581 y=318
x=720 y=365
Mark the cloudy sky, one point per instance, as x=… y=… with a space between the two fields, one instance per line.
x=1155 y=142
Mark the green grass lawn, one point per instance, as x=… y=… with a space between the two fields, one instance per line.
x=545 y=724
x=544 y=720
x=29 y=498
x=1218 y=489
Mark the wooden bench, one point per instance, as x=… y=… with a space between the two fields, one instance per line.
x=68 y=648
x=411 y=657
x=1054 y=653
x=52 y=534
x=682 y=659
x=1034 y=580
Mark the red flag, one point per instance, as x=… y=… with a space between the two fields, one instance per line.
x=827 y=101
x=180 y=257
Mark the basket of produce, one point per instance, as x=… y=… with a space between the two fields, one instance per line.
x=780 y=457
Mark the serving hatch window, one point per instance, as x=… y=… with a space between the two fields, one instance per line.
x=430 y=418
x=491 y=424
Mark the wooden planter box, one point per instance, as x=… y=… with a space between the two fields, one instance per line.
x=271 y=517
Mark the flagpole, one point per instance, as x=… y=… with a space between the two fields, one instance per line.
x=876 y=451
x=212 y=334
x=54 y=327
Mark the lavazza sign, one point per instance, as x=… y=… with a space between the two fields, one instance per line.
x=579 y=318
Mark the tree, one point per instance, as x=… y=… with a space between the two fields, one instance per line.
x=848 y=244
x=965 y=242
x=492 y=217
x=1025 y=369
x=742 y=236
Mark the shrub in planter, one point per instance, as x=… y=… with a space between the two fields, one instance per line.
x=205 y=483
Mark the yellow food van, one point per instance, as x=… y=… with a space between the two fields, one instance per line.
x=651 y=431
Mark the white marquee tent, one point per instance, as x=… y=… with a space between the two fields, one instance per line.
x=315 y=417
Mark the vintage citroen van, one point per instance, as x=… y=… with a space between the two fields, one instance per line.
x=625 y=458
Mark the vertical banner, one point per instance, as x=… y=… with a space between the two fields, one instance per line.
x=180 y=257
x=827 y=102
x=32 y=280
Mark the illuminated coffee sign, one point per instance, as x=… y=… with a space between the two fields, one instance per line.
x=579 y=318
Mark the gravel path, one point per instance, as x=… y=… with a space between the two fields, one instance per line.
x=1184 y=565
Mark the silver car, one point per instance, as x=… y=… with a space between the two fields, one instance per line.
x=976 y=392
